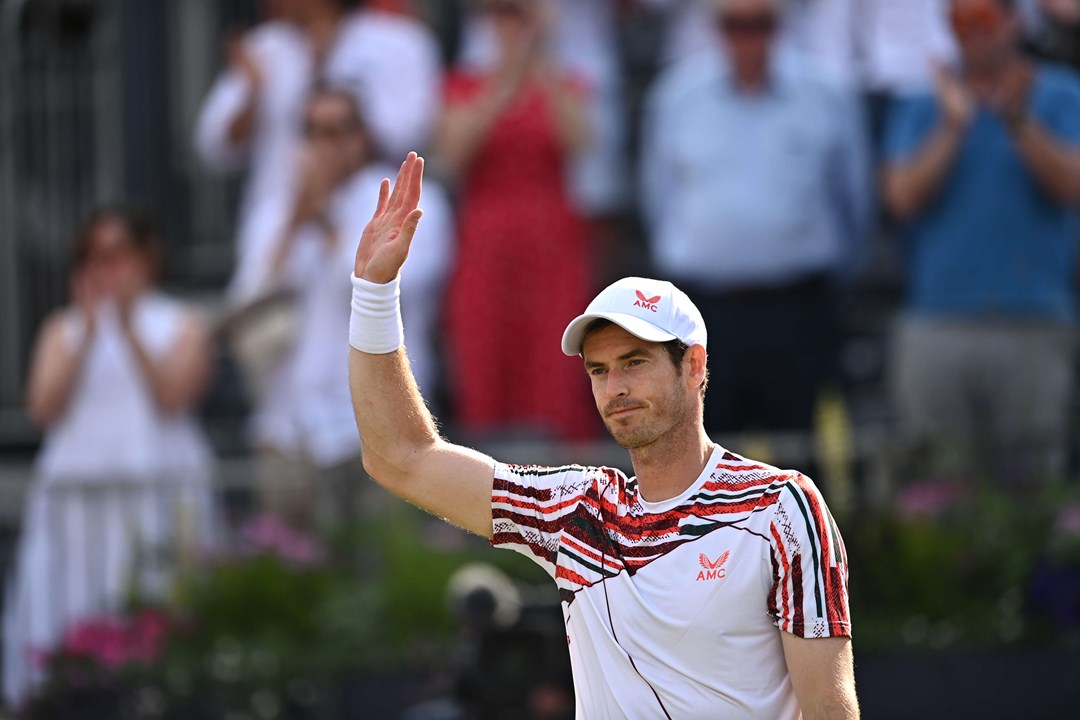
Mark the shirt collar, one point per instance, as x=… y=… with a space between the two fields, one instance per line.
x=779 y=82
x=780 y=77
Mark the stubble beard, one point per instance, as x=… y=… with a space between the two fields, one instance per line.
x=668 y=415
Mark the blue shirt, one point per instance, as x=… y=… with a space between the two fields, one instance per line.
x=753 y=189
x=993 y=242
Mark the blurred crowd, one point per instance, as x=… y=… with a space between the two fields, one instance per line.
x=778 y=140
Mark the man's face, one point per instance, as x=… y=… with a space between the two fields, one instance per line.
x=639 y=392
x=748 y=28
x=985 y=31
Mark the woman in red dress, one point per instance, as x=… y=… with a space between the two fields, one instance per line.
x=523 y=267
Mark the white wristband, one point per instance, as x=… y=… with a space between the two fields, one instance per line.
x=375 y=325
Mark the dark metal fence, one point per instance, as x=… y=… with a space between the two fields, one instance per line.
x=97 y=103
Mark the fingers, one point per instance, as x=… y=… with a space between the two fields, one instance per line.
x=408 y=229
x=401 y=182
x=384 y=197
x=415 y=185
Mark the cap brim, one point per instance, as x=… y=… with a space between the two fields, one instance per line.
x=575 y=332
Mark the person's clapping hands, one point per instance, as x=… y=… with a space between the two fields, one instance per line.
x=955 y=100
x=1011 y=99
x=1066 y=12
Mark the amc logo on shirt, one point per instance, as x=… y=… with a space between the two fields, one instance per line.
x=712 y=569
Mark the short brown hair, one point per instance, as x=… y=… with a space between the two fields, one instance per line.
x=139 y=225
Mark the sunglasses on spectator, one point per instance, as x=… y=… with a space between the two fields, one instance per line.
x=970 y=18
x=330 y=131
x=506 y=9
x=762 y=24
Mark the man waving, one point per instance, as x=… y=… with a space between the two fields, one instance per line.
x=708 y=586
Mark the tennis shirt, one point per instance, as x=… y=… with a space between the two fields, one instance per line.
x=675 y=608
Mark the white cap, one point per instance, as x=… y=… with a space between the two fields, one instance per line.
x=653 y=310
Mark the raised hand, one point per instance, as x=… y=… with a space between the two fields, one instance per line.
x=1066 y=12
x=316 y=186
x=1011 y=99
x=388 y=236
x=241 y=60
x=956 y=102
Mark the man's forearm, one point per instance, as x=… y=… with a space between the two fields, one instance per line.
x=1055 y=165
x=843 y=705
x=911 y=185
x=402 y=449
x=394 y=422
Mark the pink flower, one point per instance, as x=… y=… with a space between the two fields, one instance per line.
x=1068 y=520
x=269 y=534
x=149 y=629
x=113 y=641
x=923 y=500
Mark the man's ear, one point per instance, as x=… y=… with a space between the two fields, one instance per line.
x=697 y=361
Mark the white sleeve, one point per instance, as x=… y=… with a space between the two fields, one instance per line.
x=401 y=92
x=225 y=101
x=255 y=252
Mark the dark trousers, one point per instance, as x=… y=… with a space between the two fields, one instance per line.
x=770 y=352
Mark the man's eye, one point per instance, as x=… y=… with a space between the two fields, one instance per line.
x=637 y=361
x=597 y=371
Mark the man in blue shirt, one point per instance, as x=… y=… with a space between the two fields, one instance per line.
x=757 y=192
x=985 y=178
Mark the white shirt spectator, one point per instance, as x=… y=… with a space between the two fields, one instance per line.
x=308 y=412
x=390 y=61
x=754 y=191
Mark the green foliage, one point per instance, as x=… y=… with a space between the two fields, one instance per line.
x=960 y=574
x=260 y=634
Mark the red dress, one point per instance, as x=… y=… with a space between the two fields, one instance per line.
x=522 y=274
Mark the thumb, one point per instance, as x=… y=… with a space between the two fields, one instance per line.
x=408 y=229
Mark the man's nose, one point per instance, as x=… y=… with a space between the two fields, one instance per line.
x=616 y=384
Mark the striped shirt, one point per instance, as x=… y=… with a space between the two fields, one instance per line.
x=674 y=608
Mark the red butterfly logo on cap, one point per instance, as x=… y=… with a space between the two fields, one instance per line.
x=647 y=300
x=649 y=303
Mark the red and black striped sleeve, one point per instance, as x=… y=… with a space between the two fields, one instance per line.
x=809 y=594
x=530 y=504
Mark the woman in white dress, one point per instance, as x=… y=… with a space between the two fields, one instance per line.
x=122 y=480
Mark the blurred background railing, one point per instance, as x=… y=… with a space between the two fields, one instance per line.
x=99 y=100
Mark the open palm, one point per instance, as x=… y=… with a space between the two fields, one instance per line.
x=387 y=237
